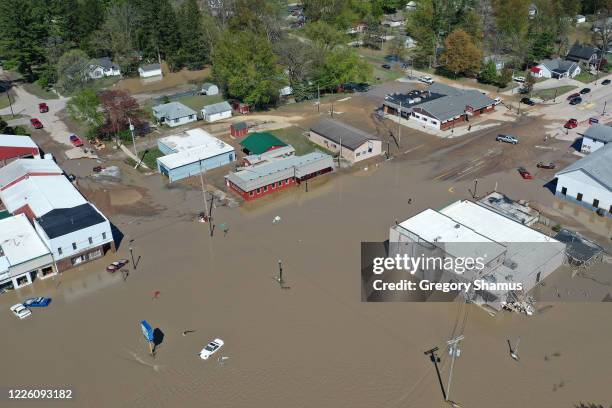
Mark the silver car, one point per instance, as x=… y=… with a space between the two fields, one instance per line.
x=507 y=139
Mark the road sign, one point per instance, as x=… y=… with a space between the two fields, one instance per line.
x=593 y=120
x=147 y=330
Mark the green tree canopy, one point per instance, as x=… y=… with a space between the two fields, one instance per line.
x=73 y=71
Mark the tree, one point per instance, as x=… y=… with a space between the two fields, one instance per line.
x=373 y=33
x=505 y=76
x=296 y=58
x=340 y=66
x=512 y=19
x=23 y=32
x=119 y=109
x=461 y=56
x=245 y=67
x=85 y=107
x=530 y=81
x=325 y=35
x=488 y=74
x=193 y=52
x=262 y=17
x=73 y=71
x=117 y=35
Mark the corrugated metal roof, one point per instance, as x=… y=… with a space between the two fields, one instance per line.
x=197 y=145
x=602 y=133
x=253 y=177
x=150 y=67
x=42 y=194
x=22 y=167
x=172 y=110
x=16 y=141
x=597 y=165
x=260 y=142
x=216 y=108
x=341 y=133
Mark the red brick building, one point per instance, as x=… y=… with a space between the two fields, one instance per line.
x=15 y=147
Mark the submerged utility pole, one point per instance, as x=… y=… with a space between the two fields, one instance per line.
x=435 y=360
x=453 y=345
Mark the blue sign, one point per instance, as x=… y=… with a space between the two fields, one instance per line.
x=147 y=330
x=593 y=120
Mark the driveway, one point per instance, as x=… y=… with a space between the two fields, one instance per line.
x=26 y=104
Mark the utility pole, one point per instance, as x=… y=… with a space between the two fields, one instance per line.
x=555 y=98
x=133 y=140
x=453 y=345
x=318 y=99
x=8 y=95
x=279 y=278
x=604 y=109
x=399 y=124
x=435 y=360
x=206 y=210
x=132 y=254
x=340 y=152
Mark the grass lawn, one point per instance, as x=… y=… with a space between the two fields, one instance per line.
x=36 y=90
x=151 y=156
x=103 y=83
x=548 y=94
x=197 y=102
x=8 y=117
x=295 y=137
x=585 y=76
x=4 y=102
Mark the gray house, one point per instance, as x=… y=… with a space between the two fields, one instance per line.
x=174 y=114
x=586 y=54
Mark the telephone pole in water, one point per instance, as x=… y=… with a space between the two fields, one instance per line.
x=435 y=360
x=453 y=348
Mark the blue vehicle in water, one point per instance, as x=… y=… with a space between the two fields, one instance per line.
x=37 y=302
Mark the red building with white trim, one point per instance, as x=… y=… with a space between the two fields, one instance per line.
x=17 y=147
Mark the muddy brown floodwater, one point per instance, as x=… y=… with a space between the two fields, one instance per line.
x=312 y=344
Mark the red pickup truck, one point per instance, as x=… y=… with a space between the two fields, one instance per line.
x=76 y=141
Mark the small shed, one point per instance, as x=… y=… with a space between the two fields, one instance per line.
x=217 y=111
x=242 y=108
x=150 y=70
x=210 y=89
x=239 y=129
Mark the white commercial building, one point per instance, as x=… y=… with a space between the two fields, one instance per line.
x=595 y=137
x=73 y=229
x=217 y=111
x=512 y=252
x=23 y=255
x=588 y=182
x=191 y=153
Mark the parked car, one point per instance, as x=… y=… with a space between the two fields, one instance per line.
x=43 y=108
x=386 y=66
x=518 y=79
x=497 y=101
x=36 y=123
x=507 y=139
x=605 y=82
x=115 y=266
x=576 y=101
x=355 y=87
x=572 y=96
x=427 y=79
x=37 y=302
x=211 y=348
x=20 y=311
x=98 y=169
x=526 y=175
x=571 y=124
x=549 y=166
x=76 y=141
x=585 y=91
x=527 y=101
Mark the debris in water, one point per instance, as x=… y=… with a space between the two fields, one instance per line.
x=276 y=220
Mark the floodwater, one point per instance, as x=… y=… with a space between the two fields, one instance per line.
x=310 y=344
x=170 y=80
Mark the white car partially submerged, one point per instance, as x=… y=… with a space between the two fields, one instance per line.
x=427 y=79
x=20 y=311
x=211 y=348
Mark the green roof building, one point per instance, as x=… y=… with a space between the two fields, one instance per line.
x=258 y=143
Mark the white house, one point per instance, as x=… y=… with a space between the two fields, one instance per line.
x=285 y=91
x=411 y=6
x=174 y=114
x=596 y=137
x=580 y=19
x=217 y=111
x=588 y=182
x=210 y=89
x=103 y=67
x=353 y=145
x=151 y=70
x=556 y=68
x=409 y=42
x=394 y=20
x=23 y=255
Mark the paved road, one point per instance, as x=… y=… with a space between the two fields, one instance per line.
x=26 y=104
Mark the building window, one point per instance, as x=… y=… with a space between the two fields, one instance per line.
x=74 y=246
x=258 y=190
x=564 y=190
x=274 y=185
x=358 y=154
x=190 y=117
x=579 y=197
x=90 y=240
x=250 y=194
x=265 y=188
x=104 y=235
x=176 y=121
x=596 y=203
x=59 y=251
